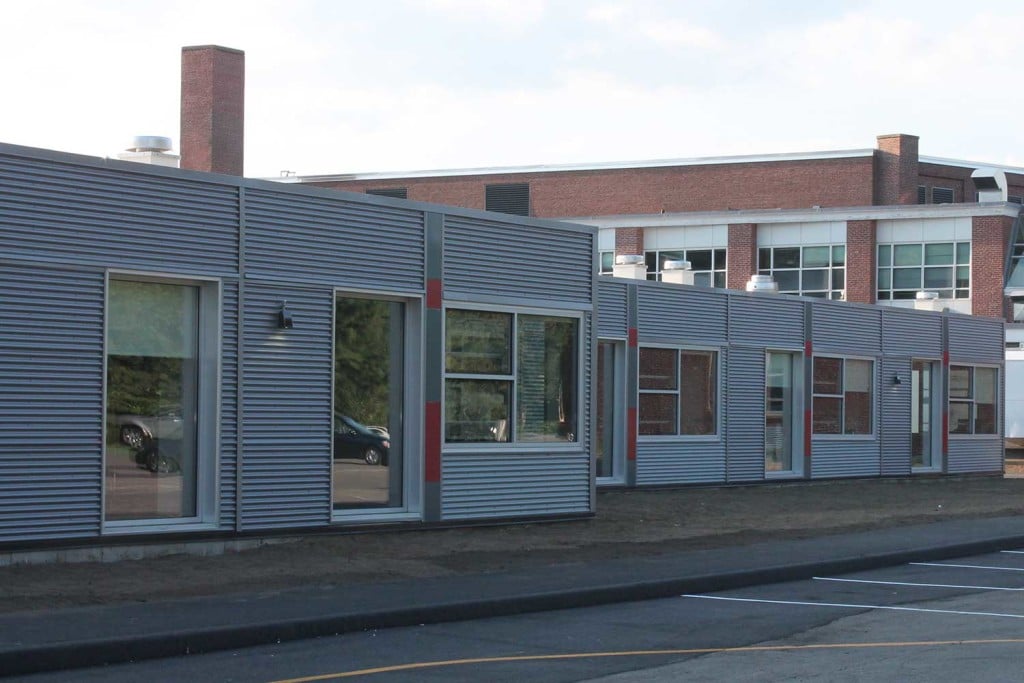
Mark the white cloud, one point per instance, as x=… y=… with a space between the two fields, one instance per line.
x=680 y=33
x=507 y=14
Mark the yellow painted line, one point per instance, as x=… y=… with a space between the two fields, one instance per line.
x=640 y=653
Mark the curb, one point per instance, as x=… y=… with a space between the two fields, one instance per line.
x=87 y=653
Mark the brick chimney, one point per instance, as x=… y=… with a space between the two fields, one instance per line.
x=896 y=174
x=212 y=109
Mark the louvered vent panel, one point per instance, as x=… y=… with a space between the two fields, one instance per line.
x=393 y=192
x=895 y=418
x=745 y=414
x=513 y=198
x=611 y=310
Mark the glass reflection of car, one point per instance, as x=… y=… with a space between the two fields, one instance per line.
x=139 y=431
x=354 y=440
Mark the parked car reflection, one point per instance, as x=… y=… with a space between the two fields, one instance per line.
x=138 y=432
x=354 y=440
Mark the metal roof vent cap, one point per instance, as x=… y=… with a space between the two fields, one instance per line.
x=679 y=272
x=677 y=265
x=762 y=283
x=629 y=259
x=927 y=301
x=150 y=143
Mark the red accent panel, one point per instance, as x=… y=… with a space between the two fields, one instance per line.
x=808 y=430
x=945 y=432
x=432 y=447
x=945 y=359
x=434 y=293
x=631 y=434
x=634 y=337
x=808 y=348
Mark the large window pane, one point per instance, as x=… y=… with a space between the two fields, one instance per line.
x=700 y=259
x=906 y=278
x=815 y=279
x=699 y=394
x=546 y=379
x=787 y=257
x=478 y=342
x=828 y=374
x=857 y=397
x=985 y=400
x=788 y=280
x=959 y=417
x=906 y=255
x=152 y=400
x=959 y=382
x=938 y=254
x=938 y=278
x=828 y=414
x=658 y=369
x=816 y=257
x=477 y=410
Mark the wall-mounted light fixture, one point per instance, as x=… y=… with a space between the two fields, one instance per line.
x=897 y=380
x=284 y=317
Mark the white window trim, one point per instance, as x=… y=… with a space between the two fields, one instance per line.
x=511 y=447
x=997 y=434
x=829 y=291
x=815 y=436
x=799 y=410
x=656 y=438
x=207 y=515
x=922 y=267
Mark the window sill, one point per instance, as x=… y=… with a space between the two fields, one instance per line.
x=679 y=438
x=844 y=437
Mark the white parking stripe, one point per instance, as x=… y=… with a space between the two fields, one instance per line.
x=851 y=606
x=1013 y=552
x=966 y=566
x=923 y=585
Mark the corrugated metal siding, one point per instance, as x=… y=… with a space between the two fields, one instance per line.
x=774 y=321
x=51 y=390
x=489 y=485
x=681 y=314
x=842 y=328
x=745 y=414
x=493 y=258
x=693 y=462
x=611 y=304
x=895 y=417
x=912 y=333
x=300 y=238
x=976 y=339
x=975 y=454
x=287 y=409
x=228 y=403
x=833 y=459
x=117 y=218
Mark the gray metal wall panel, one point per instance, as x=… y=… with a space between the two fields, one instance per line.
x=694 y=462
x=895 y=417
x=745 y=414
x=117 y=218
x=287 y=409
x=906 y=332
x=611 y=304
x=976 y=339
x=491 y=485
x=842 y=328
x=228 y=403
x=681 y=314
x=298 y=238
x=772 y=321
x=51 y=411
x=975 y=454
x=833 y=459
x=495 y=258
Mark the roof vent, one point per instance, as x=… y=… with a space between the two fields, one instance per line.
x=991 y=185
x=762 y=283
x=150 y=143
x=679 y=272
x=632 y=266
x=927 y=301
x=150 y=149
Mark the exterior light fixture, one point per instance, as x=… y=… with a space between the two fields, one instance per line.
x=897 y=380
x=284 y=317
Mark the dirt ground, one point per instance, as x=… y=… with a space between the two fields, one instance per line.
x=628 y=523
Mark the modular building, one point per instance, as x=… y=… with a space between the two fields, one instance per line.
x=706 y=386
x=191 y=355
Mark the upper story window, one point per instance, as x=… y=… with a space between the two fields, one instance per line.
x=678 y=392
x=972 y=400
x=501 y=364
x=905 y=269
x=818 y=271
x=393 y=192
x=843 y=391
x=607 y=265
x=513 y=198
x=708 y=265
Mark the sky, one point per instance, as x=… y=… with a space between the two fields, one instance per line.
x=346 y=86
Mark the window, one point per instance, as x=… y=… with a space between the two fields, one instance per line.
x=843 y=390
x=678 y=392
x=607 y=263
x=972 y=400
x=160 y=398
x=818 y=271
x=393 y=192
x=708 y=265
x=905 y=269
x=513 y=198
x=502 y=364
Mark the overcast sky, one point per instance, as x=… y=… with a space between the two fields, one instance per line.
x=335 y=86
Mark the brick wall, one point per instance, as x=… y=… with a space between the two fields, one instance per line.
x=896 y=176
x=742 y=255
x=861 y=255
x=629 y=241
x=212 y=109
x=991 y=235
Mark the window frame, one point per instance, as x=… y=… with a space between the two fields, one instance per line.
x=678 y=392
x=889 y=293
x=873 y=414
x=832 y=269
x=972 y=402
x=582 y=341
x=655 y=255
x=209 y=330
